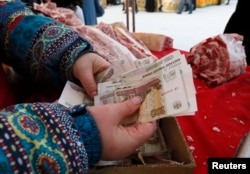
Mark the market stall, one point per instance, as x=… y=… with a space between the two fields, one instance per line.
x=215 y=130
x=173 y=5
x=204 y=3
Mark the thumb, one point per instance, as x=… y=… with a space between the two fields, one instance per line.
x=128 y=107
x=138 y=132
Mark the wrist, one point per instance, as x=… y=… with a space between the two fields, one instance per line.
x=88 y=132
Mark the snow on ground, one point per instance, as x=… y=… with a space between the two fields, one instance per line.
x=186 y=29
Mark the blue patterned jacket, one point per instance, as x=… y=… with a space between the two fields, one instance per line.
x=43 y=137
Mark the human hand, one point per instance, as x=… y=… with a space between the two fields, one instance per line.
x=119 y=141
x=85 y=69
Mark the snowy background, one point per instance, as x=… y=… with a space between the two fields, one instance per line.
x=186 y=29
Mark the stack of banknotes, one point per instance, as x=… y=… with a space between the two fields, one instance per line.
x=166 y=86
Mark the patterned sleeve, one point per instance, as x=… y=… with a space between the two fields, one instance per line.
x=38 y=46
x=47 y=137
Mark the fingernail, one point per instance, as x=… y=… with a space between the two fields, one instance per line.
x=136 y=100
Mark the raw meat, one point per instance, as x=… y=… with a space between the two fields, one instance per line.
x=155 y=42
x=218 y=59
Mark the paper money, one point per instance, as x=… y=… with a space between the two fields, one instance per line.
x=168 y=62
x=159 y=100
x=119 y=67
x=143 y=62
x=155 y=145
x=116 y=68
x=166 y=87
x=72 y=95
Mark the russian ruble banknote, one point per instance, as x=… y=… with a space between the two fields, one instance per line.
x=165 y=85
x=121 y=66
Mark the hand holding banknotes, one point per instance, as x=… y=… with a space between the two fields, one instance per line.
x=86 y=67
x=43 y=136
x=119 y=141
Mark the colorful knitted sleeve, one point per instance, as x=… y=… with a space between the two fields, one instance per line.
x=47 y=138
x=38 y=46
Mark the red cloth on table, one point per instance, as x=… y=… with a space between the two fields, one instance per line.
x=222 y=119
x=29 y=93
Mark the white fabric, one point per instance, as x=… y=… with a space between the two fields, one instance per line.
x=79 y=13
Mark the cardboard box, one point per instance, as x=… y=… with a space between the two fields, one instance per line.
x=179 y=152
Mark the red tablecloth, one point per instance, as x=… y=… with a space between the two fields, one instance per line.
x=223 y=117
